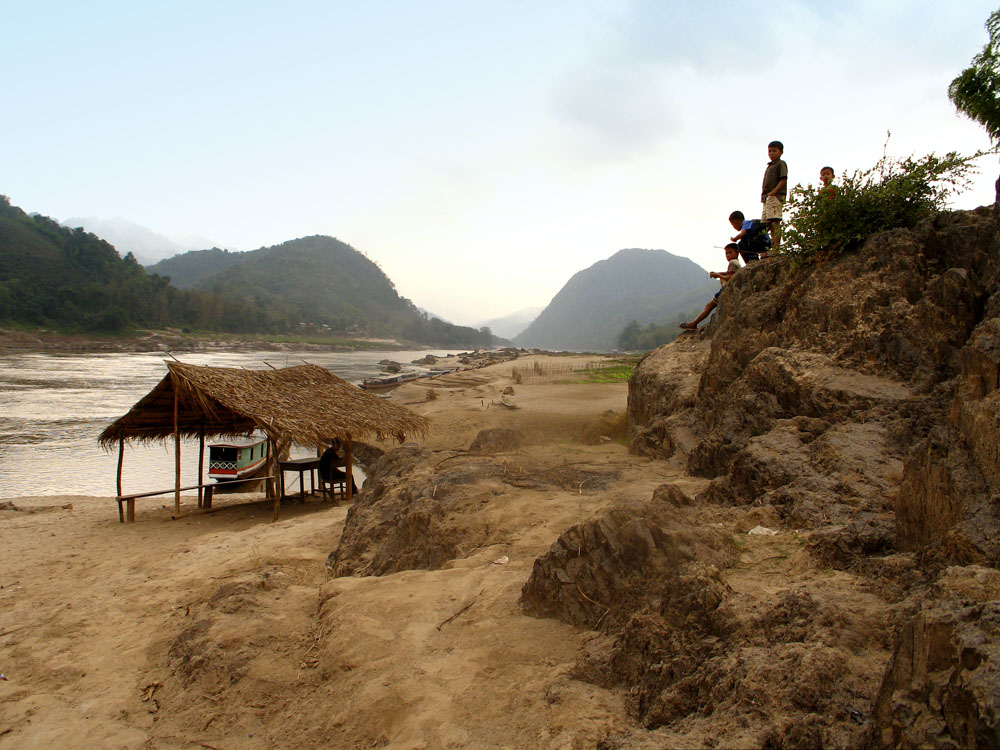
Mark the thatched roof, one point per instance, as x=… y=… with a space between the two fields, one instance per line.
x=306 y=404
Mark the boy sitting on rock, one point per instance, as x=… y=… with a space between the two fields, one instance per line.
x=751 y=237
x=732 y=255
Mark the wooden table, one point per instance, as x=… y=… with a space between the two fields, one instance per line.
x=301 y=465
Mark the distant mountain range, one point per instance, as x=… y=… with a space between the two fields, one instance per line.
x=318 y=287
x=596 y=304
x=508 y=326
x=128 y=237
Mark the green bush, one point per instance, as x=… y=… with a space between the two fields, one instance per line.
x=895 y=193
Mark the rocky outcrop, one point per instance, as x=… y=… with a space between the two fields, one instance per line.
x=861 y=393
x=682 y=643
x=600 y=572
x=949 y=500
x=397 y=522
x=421 y=512
x=661 y=393
x=496 y=440
x=942 y=686
x=859 y=401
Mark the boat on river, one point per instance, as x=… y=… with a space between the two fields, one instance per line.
x=390 y=381
x=386 y=382
x=239 y=459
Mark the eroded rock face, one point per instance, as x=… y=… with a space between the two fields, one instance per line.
x=682 y=643
x=599 y=572
x=860 y=397
x=397 y=522
x=665 y=384
x=418 y=511
x=858 y=401
x=942 y=686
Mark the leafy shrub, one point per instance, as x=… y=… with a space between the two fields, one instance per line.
x=895 y=193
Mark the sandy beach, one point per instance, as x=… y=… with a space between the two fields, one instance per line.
x=225 y=630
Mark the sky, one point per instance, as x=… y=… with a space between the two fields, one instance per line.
x=480 y=151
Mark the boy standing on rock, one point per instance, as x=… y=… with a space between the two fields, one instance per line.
x=774 y=190
x=826 y=188
x=732 y=255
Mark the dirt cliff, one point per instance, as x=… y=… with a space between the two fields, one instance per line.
x=858 y=402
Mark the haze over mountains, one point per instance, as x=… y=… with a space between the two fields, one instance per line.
x=508 y=326
x=316 y=286
x=146 y=245
x=70 y=280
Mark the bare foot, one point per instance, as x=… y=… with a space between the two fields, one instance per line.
x=689 y=326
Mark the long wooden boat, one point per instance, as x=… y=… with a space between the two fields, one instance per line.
x=237 y=460
x=389 y=381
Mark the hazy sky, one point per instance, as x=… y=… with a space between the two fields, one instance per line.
x=480 y=151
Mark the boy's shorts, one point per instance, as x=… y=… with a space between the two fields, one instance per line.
x=772 y=209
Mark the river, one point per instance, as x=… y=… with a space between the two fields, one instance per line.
x=54 y=406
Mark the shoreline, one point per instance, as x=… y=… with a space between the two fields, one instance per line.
x=168 y=340
x=284 y=637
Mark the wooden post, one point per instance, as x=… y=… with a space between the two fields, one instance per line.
x=177 y=457
x=269 y=483
x=201 y=465
x=349 y=468
x=121 y=457
x=275 y=456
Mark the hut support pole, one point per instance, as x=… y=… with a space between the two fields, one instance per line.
x=274 y=455
x=349 y=468
x=280 y=452
x=269 y=483
x=177 y=458
x=121 y=458
x=201 y=465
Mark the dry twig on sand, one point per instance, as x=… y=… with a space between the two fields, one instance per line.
x=463 y=609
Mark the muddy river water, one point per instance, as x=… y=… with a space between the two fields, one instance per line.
x=54 y=406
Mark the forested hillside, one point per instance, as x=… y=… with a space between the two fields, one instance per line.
x=593 y=308
x=72 y=280
x=320 y=284
x=188 y=270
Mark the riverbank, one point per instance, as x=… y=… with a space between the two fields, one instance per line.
x=174 y=340
x=225 y=630
x=101 y=623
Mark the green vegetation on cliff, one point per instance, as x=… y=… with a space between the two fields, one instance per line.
x=893 y=194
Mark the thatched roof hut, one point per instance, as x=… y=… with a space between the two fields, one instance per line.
x=306 y=404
